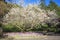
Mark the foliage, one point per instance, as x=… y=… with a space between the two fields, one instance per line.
x=42 y=5
x=4 y=8
x=53 y=6
x=30 y=18
x=10 y=28
x=52 y=25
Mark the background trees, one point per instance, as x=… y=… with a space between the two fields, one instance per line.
x=53 y=6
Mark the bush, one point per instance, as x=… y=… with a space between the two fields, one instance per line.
x=21 y=28
x=27 y=27
x=10 y=28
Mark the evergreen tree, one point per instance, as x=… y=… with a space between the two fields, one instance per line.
x=43 y=5
x=52 y=5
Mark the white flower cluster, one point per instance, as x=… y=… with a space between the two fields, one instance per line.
x=31 y=14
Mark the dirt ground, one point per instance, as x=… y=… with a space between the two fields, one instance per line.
x=29 y=36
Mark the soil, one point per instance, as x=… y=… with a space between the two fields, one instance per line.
x=28 y=36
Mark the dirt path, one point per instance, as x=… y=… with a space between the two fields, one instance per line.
x=29 y=36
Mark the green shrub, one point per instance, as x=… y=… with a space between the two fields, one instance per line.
x=10 y=28
x=37 y=27
x=27 y=27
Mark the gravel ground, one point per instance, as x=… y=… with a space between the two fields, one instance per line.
x=29 y=36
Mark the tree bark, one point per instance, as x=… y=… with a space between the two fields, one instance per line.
x=1 y=32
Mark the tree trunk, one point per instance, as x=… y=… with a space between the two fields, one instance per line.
x=1 y=32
